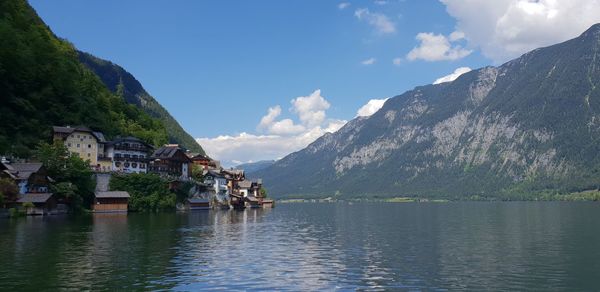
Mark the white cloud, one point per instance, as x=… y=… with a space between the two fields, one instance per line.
x=505 y=29
x=310 y=109
x=282 y=136
x=452 y=76
x=343 y=5
x=381 y=23
x=267 y=120
x=397 y=61
x=371 y=107
x=231 y=150
x=380 y=2
x=369 y=61
x=437 y=47
x=285 y=127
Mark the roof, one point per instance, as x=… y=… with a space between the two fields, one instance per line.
x=24 y=170
x=234 y=171
x=168 y=151
x=35 y=198
x=130 y=139
x=252 y=199
x=114 y=194
x=9 y=174
x=99 y=136
x=197 y=200
x=200 y=157
x=68 y=130
x=214 y=173
x=29 y=167
x=245 y=184
x=7 y=166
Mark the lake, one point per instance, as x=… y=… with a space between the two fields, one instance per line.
x=312 y=246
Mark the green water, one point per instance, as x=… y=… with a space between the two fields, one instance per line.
x=311 y=246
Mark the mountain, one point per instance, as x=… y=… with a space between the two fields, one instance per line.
x=518 y=131
x=122 y=83
x=251 y=167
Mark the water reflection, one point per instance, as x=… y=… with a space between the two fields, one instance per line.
x=472 y=246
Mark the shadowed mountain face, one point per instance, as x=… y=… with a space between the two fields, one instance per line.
x=514 y=131
x=121 y=82
x=252 y=167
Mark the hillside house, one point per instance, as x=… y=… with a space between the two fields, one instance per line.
x=81 y=141
x=171 y=160
x=129 y=155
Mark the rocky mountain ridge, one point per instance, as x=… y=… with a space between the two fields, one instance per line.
x=528 y=126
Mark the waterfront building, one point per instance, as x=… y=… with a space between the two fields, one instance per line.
x=29 y=177
x=197 y=203
x=42 y=203
x=205 y=162
x=109 y=202
x=81 y=141
x=128 y=154
x=171 y=160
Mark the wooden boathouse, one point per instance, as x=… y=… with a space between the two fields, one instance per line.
x=108 y=202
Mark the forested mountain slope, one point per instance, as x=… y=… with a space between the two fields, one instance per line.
x=122 y=83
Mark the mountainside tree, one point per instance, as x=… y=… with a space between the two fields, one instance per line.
x=42 y=83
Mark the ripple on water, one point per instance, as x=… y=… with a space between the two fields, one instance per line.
x=458 y=246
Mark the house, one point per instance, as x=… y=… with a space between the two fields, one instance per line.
x=251 y=192
x=81 y=141
x=205 y=162
x=129 y=155
x=252 y=202
x=108 y=202
x=40 y=203
x=216 y=183
x=233 y=176
x=171 y=160
x=29 y=177
x=249 y=188
x=196 y=203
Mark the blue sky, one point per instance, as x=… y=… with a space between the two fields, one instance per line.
x=218 y=66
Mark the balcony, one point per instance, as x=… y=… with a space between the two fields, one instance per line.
x=136 y=149
x=132 y=159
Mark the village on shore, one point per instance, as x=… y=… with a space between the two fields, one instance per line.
x=215 y=188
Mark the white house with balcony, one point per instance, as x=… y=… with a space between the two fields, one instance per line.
x=129 y=155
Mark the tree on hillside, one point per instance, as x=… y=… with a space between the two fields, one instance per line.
x=8 y=191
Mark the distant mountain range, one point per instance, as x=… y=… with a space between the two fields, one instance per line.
x=526 y=128
x=252 y=167
x=122 y=83
x=44 y=82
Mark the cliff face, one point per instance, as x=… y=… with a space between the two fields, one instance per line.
x=530 y=125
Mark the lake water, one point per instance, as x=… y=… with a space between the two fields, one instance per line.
x=312 y=246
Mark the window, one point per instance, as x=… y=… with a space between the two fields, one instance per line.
x=126 y=164
x=69 y=145
x=89 y=155
x=117 y=164
x=134 y=165
x=134 y=156
x=142 y=166
x=89 y=145
x=126 y=155
x=117 y=155
x=78 y=145
x=78 y=136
